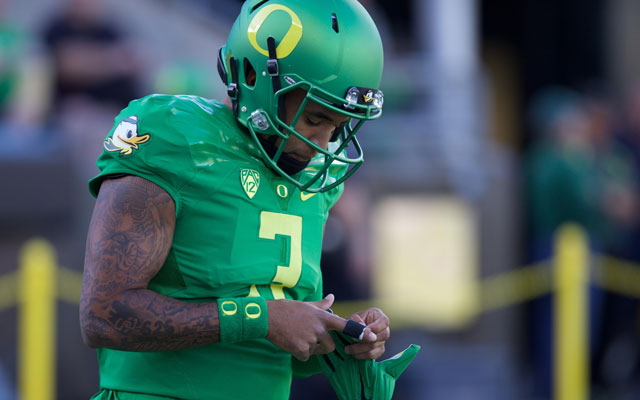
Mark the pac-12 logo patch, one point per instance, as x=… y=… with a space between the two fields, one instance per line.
x=250 y=180
x=125 y=137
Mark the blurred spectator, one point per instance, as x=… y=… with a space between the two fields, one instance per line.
x=96 y=75
x=12 y=43
x=23 y=87
x=185 y=77
x=630 y=130
x=92 y=59
x=617 y=173
x=617 y=367
x=578 y=172
x=560 y=169
x=561 y=186
x=629 y=136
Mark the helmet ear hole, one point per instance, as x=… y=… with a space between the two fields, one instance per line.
x=334 y=23
x=249 y=74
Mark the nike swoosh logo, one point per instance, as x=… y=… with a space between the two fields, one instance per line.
x=306 y=196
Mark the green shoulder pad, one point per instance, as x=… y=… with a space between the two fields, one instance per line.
x=154 y=138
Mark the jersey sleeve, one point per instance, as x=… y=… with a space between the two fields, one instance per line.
x=145 y=141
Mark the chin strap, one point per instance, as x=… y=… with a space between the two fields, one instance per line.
x=287 y=164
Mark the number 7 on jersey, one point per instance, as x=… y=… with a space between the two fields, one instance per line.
x=272 y=224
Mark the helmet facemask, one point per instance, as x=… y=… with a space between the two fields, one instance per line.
x=343 y=151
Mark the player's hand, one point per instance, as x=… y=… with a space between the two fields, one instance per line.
x=302 y=328
x=372 y=346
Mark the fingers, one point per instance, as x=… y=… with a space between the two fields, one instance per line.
x=324 y=345
x=369 y=336
x=332 y=321
x=335 y=323
x=312 y=323
x=366 y=351
x=377 y=332
x=376 y=320
x=384 y=335
x=325 y=303
x=379 y=327
x=372 y=345
x=358 y=318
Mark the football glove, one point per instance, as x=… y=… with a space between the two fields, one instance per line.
x=341 y=369
x=379 y=378
x=349 y=376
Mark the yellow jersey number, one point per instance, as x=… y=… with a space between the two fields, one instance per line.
x=272 y=224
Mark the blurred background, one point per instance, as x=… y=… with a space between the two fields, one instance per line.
x=503 y=120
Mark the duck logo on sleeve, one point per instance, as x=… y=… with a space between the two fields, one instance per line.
x=125 y=137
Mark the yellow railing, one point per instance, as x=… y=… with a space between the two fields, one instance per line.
x=570 y=314
x=34 y=288
x=39 y=282
x=37 y=321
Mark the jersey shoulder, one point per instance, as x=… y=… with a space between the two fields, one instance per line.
x=179 y=116
x=161 y=138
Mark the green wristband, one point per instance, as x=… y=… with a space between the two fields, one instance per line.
x=242 y=318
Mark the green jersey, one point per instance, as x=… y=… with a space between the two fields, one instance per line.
x=241 y=230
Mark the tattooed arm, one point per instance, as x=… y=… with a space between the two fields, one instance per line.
x=129 y=238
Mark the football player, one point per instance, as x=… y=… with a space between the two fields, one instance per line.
x=202 y=275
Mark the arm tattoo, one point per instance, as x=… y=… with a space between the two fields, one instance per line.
x=129 y=238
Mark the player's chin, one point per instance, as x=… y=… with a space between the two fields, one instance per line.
x=303 y=158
